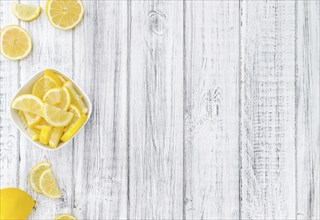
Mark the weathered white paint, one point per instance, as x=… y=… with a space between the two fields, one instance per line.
x=202 y=110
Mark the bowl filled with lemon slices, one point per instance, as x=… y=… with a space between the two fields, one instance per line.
x=50 y=109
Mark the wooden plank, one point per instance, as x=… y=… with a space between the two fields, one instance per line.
x=212 y=109
x=52 y=48
x=308 y=109
x=100 y=67
x=267 y=110
x=9 y=135
x=156 y=110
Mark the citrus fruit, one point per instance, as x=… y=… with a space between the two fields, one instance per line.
x=35 y=173
x=74 y=128
x=77 y=113
x=41 y=124
x=15 y=204
x=55 y=116
x=61 y=79
x=65 y=217
x=64 y=14
x=45 y=134
x=44 y=84
x=75 y=98
x=55 y=137
x=54 y=77
x=15 y=42
x=28 y=103
x=26 y=12
x=32 y=119
x=33 y=133
x=48 y=185
x=59 y=97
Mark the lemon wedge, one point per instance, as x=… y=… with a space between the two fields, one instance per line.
x=76 y=98
x=15 y=42
x=55 y=137
x=65 y=14
x=35 y=173
x=48 y=185
x=59 y=97
x=74 y=128
x=26 y=12
x=32 y=119
x=41 y=123
x=65 y=217
x=33 y=133
x=45 y=134
x=55 y=116
x=28 y=103
x=77 y=113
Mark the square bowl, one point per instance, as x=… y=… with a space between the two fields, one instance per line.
x=27 y=89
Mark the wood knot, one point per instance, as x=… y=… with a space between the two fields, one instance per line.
x=157 y=22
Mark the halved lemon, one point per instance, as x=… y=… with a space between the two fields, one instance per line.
x=65 y=217
x=59 y=97
x=32 y=119
x=15 y=42
x=44 y=84
x=64 y=14
x=28 y=103
x=55 y=116
x=48 y=185
x=26 y=12
x=35 y=173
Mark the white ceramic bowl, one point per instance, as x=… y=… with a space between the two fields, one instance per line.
x=27 y=88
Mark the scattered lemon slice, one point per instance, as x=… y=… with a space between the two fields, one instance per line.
x=16 y=42
x=56 y=117
x=33 y=133
x=32 y=119
x=55 y=137
x=35 y=173
x=23 y=119
x=48 y=185
x=45 y=134
x=65 y=217
x=64 y=14
x=74 y=128
x=43 y=85
x=28 y=103
x=76 y=99
x=26 y=12
x=59 y=97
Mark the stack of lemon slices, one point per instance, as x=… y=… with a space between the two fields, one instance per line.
x=54 y=111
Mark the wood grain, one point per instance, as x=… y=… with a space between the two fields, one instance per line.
x=267 y=110
x=308 y=109
x=100 y=67
x=155 y=110
x=211 y=110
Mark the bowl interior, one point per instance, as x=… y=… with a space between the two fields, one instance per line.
x=27 y=88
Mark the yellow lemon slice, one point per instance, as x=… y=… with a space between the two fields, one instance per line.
x=15 y=42
x=59 y=97
x=74 y=128
x=26 y=12
x=35 y=173
x=76 y=98
x=55 y=116
x=32 y=119
x=65 y=217
x=55 y=137
x=48 y=185
x=28 y=103
x=64 y=14
x=44 y=84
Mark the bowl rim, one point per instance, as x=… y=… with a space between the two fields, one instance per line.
x=36 y=76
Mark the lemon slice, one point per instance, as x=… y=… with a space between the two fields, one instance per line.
x=44 y=84
x=54 y=77
x=48 y=185
x=35 y=173
x=28 y=103
x=65 y=217
x=55 y=137
x=59 y=97
x=74 y=128
x=15 y=42
x=45 y=134
x=64 y=14
x=76 y=98
x=32 y=119
x=55 y=116
x=23 y=119
x=26 y=12
x=33 y=133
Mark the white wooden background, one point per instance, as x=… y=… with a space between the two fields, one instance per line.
x=202 y=110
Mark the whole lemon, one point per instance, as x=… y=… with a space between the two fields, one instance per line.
x=15 y=204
